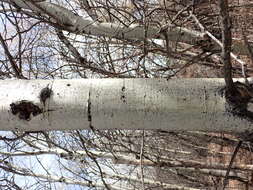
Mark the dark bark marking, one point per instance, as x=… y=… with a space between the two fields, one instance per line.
x=24 y=109
x=45 y=94
x=238 y=100
x=89 y=108
x=123 y=95
x=89 y=114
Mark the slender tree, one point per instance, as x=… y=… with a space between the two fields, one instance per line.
x=160 y=41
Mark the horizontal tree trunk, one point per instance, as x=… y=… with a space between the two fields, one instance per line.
x=178 y=104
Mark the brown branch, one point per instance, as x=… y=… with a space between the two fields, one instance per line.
x=226 y=41
x=94 y=159
x=71 y=48
x=225 y=182
x=15 y=68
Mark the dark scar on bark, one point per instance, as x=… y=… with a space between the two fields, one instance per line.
x=237 y=100
x=24 y=109
x=123 y=96
x=45 y=93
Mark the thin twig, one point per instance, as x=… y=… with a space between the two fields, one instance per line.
x=15 y=68
x=218 y=42
x=225 y=182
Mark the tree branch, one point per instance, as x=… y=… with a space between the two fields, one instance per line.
x=226 y=41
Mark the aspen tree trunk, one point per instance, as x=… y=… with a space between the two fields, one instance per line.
x=178 y=104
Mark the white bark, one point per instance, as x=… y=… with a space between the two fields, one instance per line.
x=178 y=104
x=152 y=182
x=80 y=25
x=119 y=158
x=61 y=179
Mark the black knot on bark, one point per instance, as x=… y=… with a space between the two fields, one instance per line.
x=238 y=99
x=241 y=93
x=24 y=109
x=45 y=93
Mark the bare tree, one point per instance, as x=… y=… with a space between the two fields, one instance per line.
x=125 y=39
